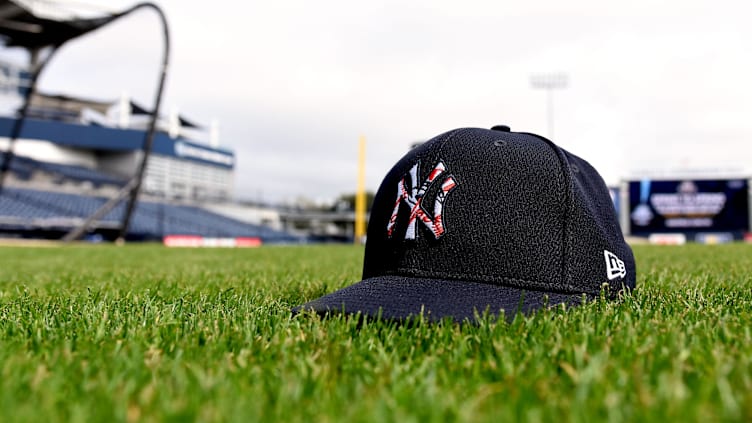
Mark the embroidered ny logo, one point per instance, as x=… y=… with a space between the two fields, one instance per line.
x=413 y=195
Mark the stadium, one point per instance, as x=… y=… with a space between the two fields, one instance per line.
x=69 y=160
x=103 y=319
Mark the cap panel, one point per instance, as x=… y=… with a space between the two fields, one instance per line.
x=503 y=220
x=599 y=253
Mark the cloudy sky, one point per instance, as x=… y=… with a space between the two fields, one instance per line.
x=654 y=86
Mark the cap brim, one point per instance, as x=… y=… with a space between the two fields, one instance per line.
x=399 y=298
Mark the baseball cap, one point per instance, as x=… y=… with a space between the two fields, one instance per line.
x=477 y=220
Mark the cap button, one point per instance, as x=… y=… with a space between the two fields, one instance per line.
x=501 y=128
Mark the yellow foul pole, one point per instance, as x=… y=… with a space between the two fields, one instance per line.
x=360 y=195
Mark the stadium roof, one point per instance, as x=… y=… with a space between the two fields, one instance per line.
x=137 y=109
x=65 y=102
x=22 y=26
x=76 y=104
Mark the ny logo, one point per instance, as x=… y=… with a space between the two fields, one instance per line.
x=413 y=196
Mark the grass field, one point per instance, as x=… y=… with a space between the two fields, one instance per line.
x=143 y=333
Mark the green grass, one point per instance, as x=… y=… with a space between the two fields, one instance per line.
x=143 y=333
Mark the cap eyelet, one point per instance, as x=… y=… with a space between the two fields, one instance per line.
x=500 y=143
x=574 y=168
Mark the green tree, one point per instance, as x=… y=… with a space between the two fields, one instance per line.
x=347 y=201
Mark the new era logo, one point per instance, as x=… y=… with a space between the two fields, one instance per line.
x=614 y=267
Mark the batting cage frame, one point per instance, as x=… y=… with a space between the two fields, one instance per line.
x=43 y=37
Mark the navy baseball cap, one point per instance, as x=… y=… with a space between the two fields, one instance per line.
x=478 y=220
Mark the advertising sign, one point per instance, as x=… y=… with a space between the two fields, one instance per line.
x=688 y=205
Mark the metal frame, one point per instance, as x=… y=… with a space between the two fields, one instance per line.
x=133 y=187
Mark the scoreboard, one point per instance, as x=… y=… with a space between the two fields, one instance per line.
x=688 y=206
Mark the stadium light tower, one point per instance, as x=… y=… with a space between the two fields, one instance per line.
x=549 y=82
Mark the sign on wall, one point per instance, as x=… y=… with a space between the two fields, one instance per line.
x=688 y=205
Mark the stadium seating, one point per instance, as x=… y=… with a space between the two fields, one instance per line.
x=23 y=168
x=151 y=220
x=22 y=208
x=79 y=173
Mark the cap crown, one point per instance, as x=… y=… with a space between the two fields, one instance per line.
x=496 y=207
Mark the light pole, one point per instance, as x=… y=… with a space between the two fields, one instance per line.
x=549 y=82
